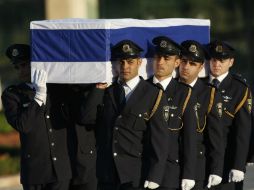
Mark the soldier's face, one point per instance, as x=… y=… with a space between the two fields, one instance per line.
x=189 y=70
x=219 y=67
x=164 y=66
x=23 y=70
x=129 y=68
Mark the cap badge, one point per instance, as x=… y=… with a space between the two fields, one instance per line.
x=126 y=48
x=219 y=49
x=163 y=44
x=193 y=48
x=15 y=52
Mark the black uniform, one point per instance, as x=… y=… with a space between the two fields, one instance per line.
x=210 y=155
x=84 y=141
x=43 y=136
x=182 y=124
x=236 y=118
x=124 y=137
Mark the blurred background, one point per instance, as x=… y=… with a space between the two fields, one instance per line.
x=231 y=20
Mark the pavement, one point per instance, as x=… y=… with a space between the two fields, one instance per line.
x=12 y=182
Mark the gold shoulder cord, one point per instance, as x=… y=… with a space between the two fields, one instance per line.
x=155 y=107
x=200 y=130
x=186 y=100
x=211 y=100
x=242 y=102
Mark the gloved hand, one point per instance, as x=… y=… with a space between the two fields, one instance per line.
x=187 y=184
x=235 y=176
x=250 y=164
x=213 y=180
x=151 y=185
x=39 y=82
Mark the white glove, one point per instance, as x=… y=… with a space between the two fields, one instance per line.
x=187 y=184
x=250 y=164
x=151 y=185
x=39 y=81
x=235 y=176
x=213 y=180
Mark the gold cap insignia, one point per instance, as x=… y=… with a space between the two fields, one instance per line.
x=126 y=48
x=166 y=113
x=15 y=52
x=219 y=109
x=163 y=44
x=193 y=48
x=218 y=48
x=249 y=104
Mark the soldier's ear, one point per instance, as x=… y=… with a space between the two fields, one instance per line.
x=177 y=62
x=231 y=62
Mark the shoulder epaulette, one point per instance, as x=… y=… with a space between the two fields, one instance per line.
x=241 y=79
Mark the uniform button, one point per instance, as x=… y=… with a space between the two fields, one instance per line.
x=201 y=152
x=140 y=115
x=115 y=141
x=115 y=154
x=177 y=161
x=47 y=116
x=91 y=152
x=120 y=116
x=54 y=158
x=172 y=115
x=116 y=128
x=52 y=144
x=50 y=130
x=225 y=108
x=28 y=156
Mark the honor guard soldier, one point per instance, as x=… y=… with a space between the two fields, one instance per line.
x=208 y=112
x=237 y=105
x=181 y=120
x=132 y=133
x=38 y=117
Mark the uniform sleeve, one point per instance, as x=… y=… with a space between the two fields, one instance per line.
x=159 y=144
x=242 y=124
x=251 y=148
x=189 y=140
x=214 y=129
x=90 y=105
x=21 y=116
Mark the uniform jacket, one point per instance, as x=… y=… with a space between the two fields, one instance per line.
x=43 y=134
x=210 y=131
x=236 y=117
x=84 y=147
x=124 y=137
x=182 y=124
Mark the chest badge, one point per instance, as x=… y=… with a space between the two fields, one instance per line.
x=249 y=104
x=166 y=113
x=219 y=109
x=226 y=98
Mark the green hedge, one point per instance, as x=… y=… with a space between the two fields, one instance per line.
x=4 y=126
x=9 y=165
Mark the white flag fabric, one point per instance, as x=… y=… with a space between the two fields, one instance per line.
x=78 y=50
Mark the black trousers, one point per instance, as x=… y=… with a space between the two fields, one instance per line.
x=115 y=186
x=199 y=185
x=90 y=185
x=225 y=186
x=60 y=185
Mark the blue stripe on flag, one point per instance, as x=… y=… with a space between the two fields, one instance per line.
x=93 y=45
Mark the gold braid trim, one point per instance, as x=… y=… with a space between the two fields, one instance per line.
x=186 y=100
x=211 y=100
x=156 y=105
x=230 y=114
x=242 y=102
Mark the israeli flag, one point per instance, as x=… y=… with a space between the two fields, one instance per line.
x=78 y=50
